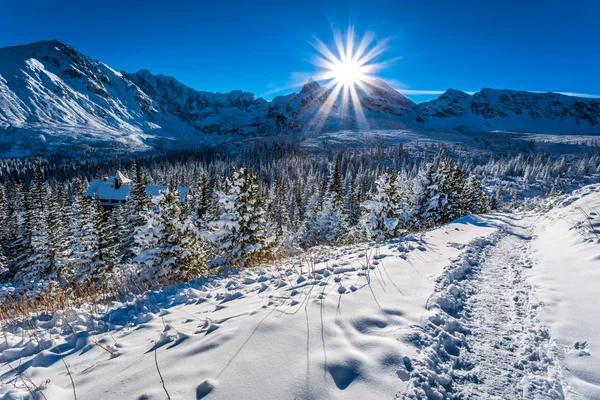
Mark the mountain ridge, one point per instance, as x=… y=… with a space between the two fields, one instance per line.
x=51 y=93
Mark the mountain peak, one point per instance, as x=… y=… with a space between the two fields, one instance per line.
x=310 y=86
x=42 y=45
x=382 y=86
x=453 y=93
x=50 y=42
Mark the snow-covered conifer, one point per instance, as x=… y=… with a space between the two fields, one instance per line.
x=476 y=201
x=240 y=233
x=380 y=217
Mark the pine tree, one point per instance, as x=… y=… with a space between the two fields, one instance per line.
x=85 y=248
x=20 y=240
x=3 y=263
x=331 y=224
x=380 y=216
x=192 y=252
x=202 y=202
x=137 y=206
x=3 y=215
x=406 y=202
x=277 y=218
x=4 y=231
x=430 y=200
x=101 y=256
x=114 y=251
x=239 y=232
x=308 y=234
x=452 y=187
x=353 y=201
x=171 y=248
x=476 y=201
x=441 y=197
x=80 y=238
x=36 y=263
x=336 y=182
x=57 y=222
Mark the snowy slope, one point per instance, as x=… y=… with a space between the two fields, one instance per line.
x=336 y=324
x=49 y=83
x=567 y=274
x=50 y=88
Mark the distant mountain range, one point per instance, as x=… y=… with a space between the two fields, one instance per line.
x=52 y=96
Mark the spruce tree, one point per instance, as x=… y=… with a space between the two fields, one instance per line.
x=240 y=231
x=336 y=182
x=331 y=225
x=3 y=263
x=36 y=263
x=353 y=201
x=137 y=206
x=430 y=200
x=309 y=234
x=380 y=217
x=57 y=222
x=171 y=248
x=476 y=201
x=452 y=189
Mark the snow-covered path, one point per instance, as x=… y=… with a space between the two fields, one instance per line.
x=510 y=351
x=485 y=339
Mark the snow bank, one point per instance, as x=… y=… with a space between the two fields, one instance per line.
x=567 y=276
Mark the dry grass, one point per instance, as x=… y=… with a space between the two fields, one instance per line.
x=162 y=381
x=588 y=225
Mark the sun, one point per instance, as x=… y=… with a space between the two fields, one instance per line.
x=350 y=62
x=347 y=69
x=348 y=72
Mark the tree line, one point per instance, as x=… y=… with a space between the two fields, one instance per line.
x=239 y=215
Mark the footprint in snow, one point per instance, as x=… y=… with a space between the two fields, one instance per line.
x=205 y=388
x=581 y=349
x=344 y=374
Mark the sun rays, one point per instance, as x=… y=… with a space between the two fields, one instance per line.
x=348 y=70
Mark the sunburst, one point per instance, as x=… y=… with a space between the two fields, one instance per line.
x=347 y=69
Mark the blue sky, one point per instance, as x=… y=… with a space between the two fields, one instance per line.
x=264 y=46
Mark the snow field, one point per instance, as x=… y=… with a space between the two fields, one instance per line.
x=335 y=324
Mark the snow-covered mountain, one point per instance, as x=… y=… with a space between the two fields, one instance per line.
x=492 y=109
x=52 y=96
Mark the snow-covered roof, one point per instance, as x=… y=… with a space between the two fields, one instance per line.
x=106 y=190
x=120 y=176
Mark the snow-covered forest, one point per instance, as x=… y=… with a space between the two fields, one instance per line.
x=244 y=209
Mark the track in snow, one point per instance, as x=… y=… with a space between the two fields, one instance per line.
x=485 y=341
